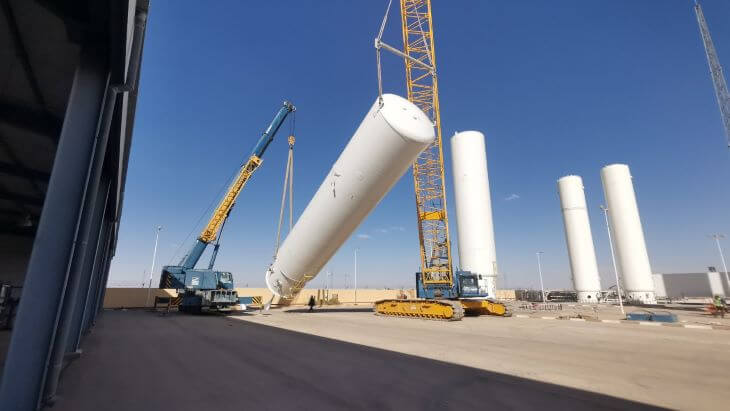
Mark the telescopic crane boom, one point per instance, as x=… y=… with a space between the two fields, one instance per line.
x=211 y=230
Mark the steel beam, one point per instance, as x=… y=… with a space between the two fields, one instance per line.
x=46 y=278
x=20 y=198
x=36 y=121
x=18 y=170
x=22 y=52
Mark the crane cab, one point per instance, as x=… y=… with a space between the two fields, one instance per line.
x=466 y=285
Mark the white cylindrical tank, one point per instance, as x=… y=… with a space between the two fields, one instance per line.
x=716 y=287
x=477 y=252
x=383 y=147
x=632 y=260
x=578 y=237
x=660 y=290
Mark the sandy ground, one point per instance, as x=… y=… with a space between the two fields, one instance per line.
x=686 y=314
x=673 y=367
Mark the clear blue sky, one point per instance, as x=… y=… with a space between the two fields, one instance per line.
x=560 y=87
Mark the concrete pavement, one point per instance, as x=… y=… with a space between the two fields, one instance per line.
x=666 y=366
x=138 y=360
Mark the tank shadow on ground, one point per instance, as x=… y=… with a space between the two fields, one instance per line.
x=254 y=366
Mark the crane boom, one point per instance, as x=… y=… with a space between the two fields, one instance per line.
x=428 y=169
x=211 y=230
x=718 y=78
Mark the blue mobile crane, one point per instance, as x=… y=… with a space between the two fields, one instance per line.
x=208 y=289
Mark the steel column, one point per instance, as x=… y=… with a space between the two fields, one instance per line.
x=48 y=268
x=72 y=343
x=92 y=305
x=85 y=244
x=91 y=297
x=105 y=277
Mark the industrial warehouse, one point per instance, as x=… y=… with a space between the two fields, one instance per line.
x=201 y=209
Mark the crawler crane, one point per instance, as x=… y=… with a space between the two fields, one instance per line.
x=442 y=293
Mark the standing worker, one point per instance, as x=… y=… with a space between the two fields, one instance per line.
x=720 y=307
x=311 y=303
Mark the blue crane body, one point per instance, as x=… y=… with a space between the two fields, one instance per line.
x=208 y=288
x=464 y=286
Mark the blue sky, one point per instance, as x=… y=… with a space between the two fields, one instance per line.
x=561 y=87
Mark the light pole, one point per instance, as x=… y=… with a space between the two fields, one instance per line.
x=152 y=268
x=717 y=238
x=613 y=259
x=356 y=250
x=539 y=270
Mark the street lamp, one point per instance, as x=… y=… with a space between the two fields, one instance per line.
x=356 y=250
x=539 y=270
x=613 y=259
x=152 y=268
x=717 y=238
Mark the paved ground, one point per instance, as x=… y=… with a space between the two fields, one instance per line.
x=141 y=361
x=692 y=314
x=672 y=367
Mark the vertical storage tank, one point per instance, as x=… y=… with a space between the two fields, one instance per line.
x=660 y=290
x=632 y=259
x=383 y=147
x=477 y=252
x=716 y=287
x=579 y=240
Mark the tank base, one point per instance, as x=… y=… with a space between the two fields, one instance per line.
x=641 y=297
x=589 y=297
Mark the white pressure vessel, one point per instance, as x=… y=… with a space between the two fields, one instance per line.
x=632 y=260
x=578 y=237
x=660 y=290
x=477 y=252
x=383 y=147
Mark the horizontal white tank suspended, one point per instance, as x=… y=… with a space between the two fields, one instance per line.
x=578 y=237
x=632 y=259
x=383 y=147
x=477 y=252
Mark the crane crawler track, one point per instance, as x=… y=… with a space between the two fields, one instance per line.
x=443 y=310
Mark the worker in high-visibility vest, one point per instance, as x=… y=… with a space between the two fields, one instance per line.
x=720 y=305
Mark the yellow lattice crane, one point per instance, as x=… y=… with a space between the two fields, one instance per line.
x=442 y=294
x=428 y=169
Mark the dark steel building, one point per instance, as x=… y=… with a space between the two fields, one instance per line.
x=69 y=74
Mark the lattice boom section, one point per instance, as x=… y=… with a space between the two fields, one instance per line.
x=428 y=170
